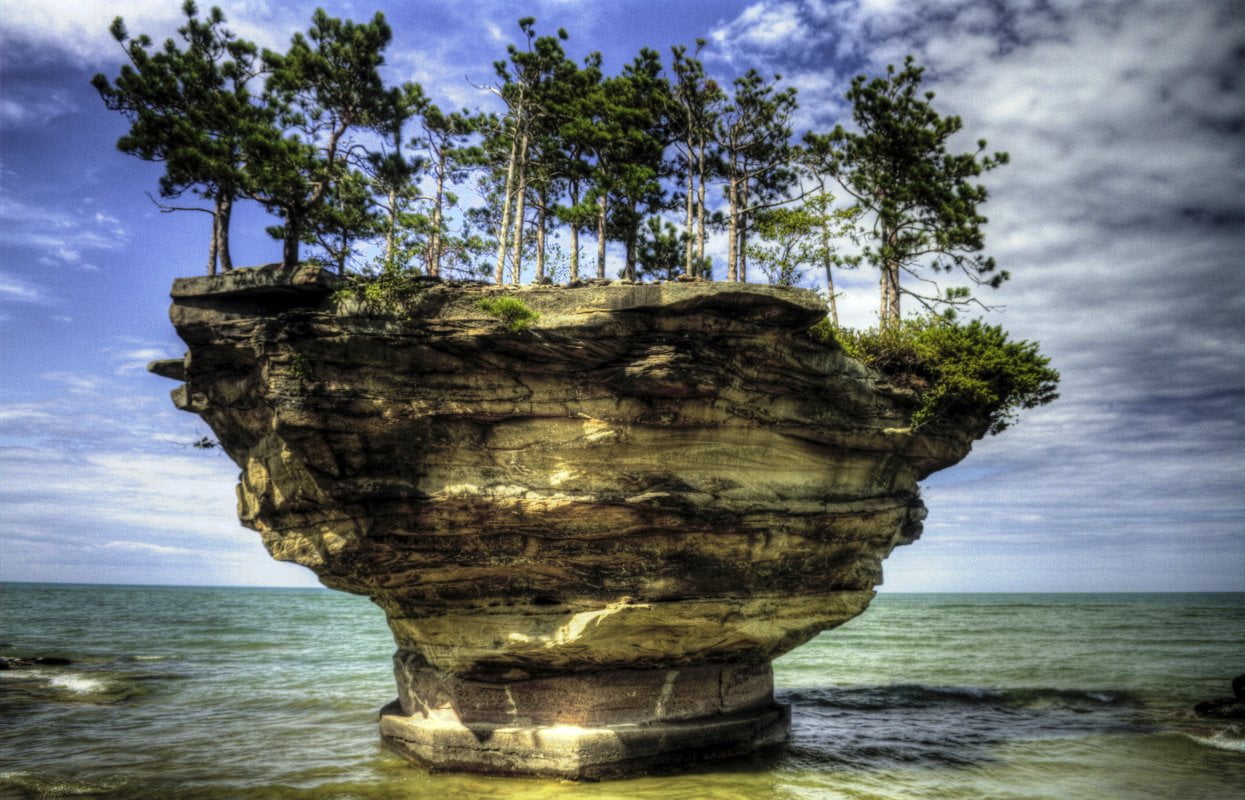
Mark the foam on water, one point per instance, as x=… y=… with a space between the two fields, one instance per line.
x=1221 y=741
x=78 y=684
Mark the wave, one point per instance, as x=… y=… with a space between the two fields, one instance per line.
x=924 y=696
x=883 y=727
x=78 y=684
x=95 y=687
x=1220 y=740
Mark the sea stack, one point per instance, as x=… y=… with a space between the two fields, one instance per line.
x=591 y=536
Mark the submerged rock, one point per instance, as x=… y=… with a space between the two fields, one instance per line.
x=590 y=537
x=1225 y=707
x=14 y=662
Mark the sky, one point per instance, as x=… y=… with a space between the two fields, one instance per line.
x=1121 y=219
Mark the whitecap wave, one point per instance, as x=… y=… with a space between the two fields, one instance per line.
x=78 y=684
x=1220 y=741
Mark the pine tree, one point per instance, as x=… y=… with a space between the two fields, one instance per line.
x=572 y=101
x=527 y=75
x=445 y=139
x=190 y=108
x=699 y=102
x=393 y=174
x=326 y=85
x=919 y=196
x=660 y=250
x=792 y=239
x=753 y=133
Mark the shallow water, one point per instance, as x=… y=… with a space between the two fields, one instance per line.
x=262 y=694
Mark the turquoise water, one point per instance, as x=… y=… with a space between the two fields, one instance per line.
x=266 y=693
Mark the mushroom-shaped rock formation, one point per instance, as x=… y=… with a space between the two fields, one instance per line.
x=590 y=537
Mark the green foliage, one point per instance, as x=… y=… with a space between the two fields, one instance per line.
x=300 y=370
x=326 y=147
x=382 y=291
x=326 y=85
x=791 y=240
x=510 y=310
x=660 y=251
x=956 y=369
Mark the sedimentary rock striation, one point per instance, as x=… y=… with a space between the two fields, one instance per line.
x=590 y=537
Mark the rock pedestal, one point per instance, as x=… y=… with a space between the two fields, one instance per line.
x=591 y=537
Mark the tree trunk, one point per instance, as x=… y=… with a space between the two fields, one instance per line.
x=732 y=235
x=893 y=293
x=434 y=266
x=212 y=245
x=343 y=252
x=744 y=213
x=604 y=206
x=889 y=312
x=833 y=303
x=541 y=213
x=691 y=188
x=516 y=261
x=701 y=266
x=289 y=245
x=499 y=274
x=574 y=189
x=743 y=250
x=224 y=212
x=391 y=231
x=629 y=261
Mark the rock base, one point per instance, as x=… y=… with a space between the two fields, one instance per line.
x=583 y=726
x=578 y=753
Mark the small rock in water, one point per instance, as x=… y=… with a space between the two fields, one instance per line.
x=1222 y=708
x=1225 y=707
x=9 y=662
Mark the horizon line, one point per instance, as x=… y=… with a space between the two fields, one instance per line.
x=880 y=592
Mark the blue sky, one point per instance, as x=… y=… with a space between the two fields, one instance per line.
x=1121 y=219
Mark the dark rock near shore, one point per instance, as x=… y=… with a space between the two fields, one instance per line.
x=8 y=662
x=1221 y=708
x=1225 y=707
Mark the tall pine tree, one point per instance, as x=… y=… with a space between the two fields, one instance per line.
x=190 y=107
x=919 y=197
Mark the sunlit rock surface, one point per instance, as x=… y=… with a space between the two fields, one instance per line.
x=591 y=537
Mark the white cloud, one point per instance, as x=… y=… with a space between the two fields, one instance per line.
x=33 y=111
x=1120 y=220
x=80 y=30
x=16 y=290
x=135 y=361
x=75 y=384
x=60 y=235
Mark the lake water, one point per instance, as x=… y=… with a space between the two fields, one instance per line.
x=272 y=693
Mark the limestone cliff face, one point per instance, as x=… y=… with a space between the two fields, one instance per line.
x=659 y=476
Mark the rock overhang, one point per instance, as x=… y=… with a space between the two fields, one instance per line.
x=654 y=477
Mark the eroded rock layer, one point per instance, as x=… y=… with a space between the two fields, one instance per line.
x=610 y=522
